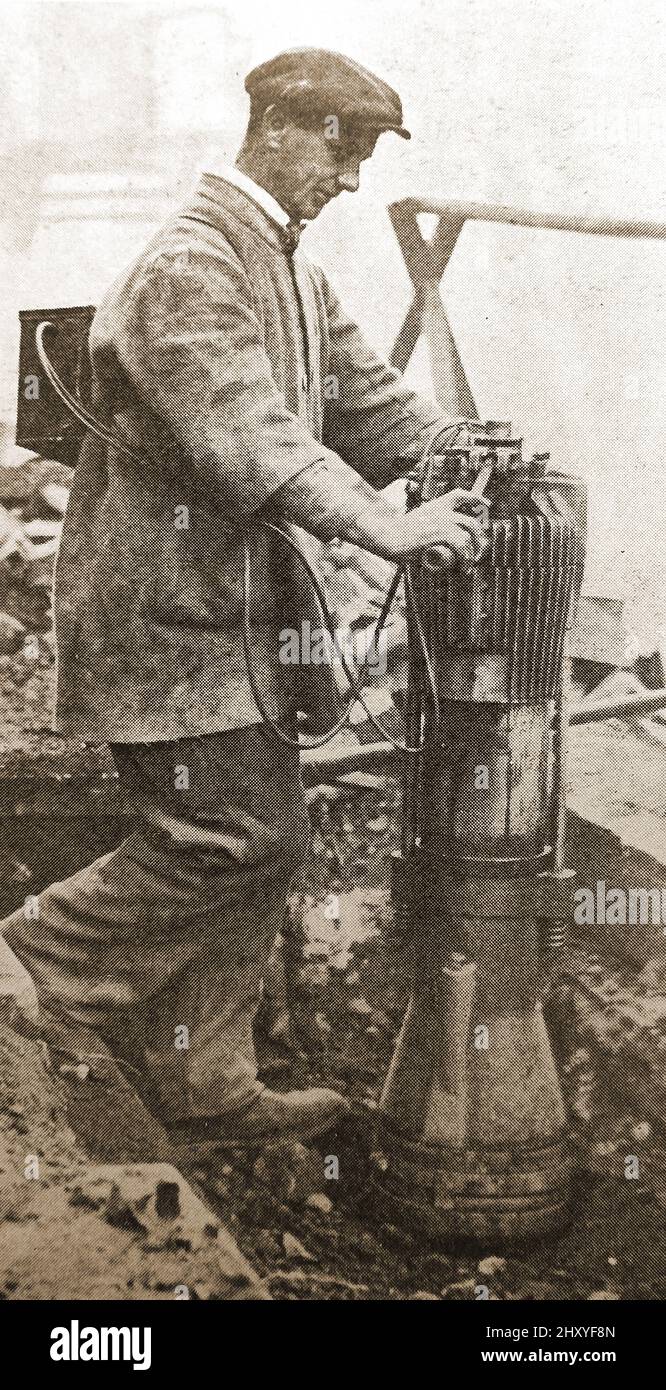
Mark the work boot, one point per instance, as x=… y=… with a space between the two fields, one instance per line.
x=270 y=1116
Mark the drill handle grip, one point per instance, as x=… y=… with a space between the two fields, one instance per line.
x=439 y=558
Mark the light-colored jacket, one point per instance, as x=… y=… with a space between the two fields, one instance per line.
x=225 y=364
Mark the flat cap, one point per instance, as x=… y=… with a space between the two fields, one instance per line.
x=317 y=81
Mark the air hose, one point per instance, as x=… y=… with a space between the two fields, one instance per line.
x=354 y=678
x=404 y=574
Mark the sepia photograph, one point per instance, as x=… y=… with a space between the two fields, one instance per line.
x=333 y=666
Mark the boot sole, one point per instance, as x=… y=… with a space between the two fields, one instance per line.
x=296 y=1132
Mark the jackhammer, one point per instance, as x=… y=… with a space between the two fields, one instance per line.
x=471 y=1123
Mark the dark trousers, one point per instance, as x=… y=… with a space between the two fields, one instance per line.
x=161 y=946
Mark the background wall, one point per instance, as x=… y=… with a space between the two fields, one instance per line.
x=108 y=109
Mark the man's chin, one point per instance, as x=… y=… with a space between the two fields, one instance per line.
x=314 y=206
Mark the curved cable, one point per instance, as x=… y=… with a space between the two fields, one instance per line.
x=73 y=403
x=435 y=434
x=403 y=572
x=353 y=677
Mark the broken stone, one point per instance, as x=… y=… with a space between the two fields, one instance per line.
x=318 y=1201
x=579 y=1059
x=379 y=1161
x=339 y=960
x=382 y=1022
x=605 y=1149
x=360 y=1007
x=290 y=1170
x=491 y=1266
x=149 y=1197
x=378 y=825
x=315 y=974
x=90 y=1193
x=155 y=1201
x=463 y=1288
x=25 y=475
x=56 y=497
x=143 y=1198
x=294 y=1250
x=204 y=1293
x=266 y=1244
x=582 y=1096
x=12 y=634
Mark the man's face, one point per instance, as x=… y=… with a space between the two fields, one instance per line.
x=315 y=167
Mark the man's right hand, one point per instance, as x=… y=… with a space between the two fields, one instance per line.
x=443 y=523
x=395 y=535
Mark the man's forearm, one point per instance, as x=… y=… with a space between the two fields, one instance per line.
x=338 y=504
x=332 y=502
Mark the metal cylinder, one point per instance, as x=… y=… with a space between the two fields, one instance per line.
x=471 y=1123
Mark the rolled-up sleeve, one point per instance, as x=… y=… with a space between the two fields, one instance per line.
x=191 y=342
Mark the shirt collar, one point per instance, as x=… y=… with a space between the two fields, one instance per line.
x=259 y=195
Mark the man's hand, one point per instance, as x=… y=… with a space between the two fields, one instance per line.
x=337 y=503
x=452 y=520
x=437 y=523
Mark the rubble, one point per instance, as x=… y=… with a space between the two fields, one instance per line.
x=358 y=1254
x=460 y=1289
x=360 y=1007
x=491 y=1266
x=106 y=1231
x=56 y=497
x=102 y=1230
x=318 y=1201
x=293 y=1172
x=12 y=633
x=295 y=1250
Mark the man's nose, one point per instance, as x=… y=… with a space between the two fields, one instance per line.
x=349 y=178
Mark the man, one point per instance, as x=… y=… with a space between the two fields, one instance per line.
x=224 y=360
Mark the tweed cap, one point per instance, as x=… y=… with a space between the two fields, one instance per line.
x=315 y=82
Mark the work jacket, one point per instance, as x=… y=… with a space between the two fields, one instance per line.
x=229 y=368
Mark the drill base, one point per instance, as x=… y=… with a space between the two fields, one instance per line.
x=495 y=1196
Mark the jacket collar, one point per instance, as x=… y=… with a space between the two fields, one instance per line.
x=215 y=200
x=259 y=195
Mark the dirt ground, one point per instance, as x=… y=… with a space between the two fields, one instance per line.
x=310 y=1236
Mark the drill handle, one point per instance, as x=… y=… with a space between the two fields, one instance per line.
x=470 y=503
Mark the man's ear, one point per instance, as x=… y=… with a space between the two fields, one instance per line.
x=273 y=126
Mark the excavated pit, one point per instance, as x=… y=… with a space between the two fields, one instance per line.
x=306 y=1234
